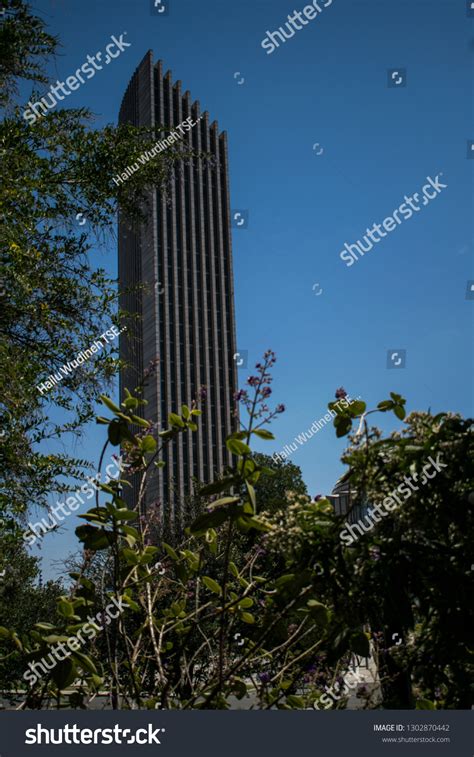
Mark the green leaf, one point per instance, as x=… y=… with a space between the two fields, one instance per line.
x=318 y=611
x=131 y=603
x=141 y=421
x=131 y=557
x=150 y=550
x=247 y=617
x=124 y=514
x=166 y=434
x=115 y=432
x=236 y=447
x=297 y=703
x=94 y=538
x=399 y=411
x=263 y=433
x=397 y=398
x=224 y=501
x=148 y=444
x=251 y=492
x=86 y=583
x=65 y=608
x=148 y=555
x=385 y=405
x=210 y=520
x=238 y=687
x=85 y=662
x=212 y=585
x=238 y=435
x=64 y=673
x=111 y=405
x=176 y=420
x=256 y=523
x=357 y=408
x=94 y=518
x=131 y=403
x=245 y=603
x=170 y=551
x=359 y=644
x=106 y=488
x=343 y=425
x=130 y=531
x=185 y=412
x=425 y=704
x=234 y=569
x=283 y=580
x=217 y=486
x=123 y=417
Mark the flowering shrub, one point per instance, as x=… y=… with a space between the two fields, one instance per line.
x=273 y=621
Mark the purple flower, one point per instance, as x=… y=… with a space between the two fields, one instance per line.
x=264 y=677
x=151 y=368
x=317 y=497
x=202 y=394
x=253 y=380
x=266 y=391
x=280 y=409
x=240 y=395
x=341 y=393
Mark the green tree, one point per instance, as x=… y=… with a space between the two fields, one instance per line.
x=24 y=601
x=55 y=301
x=273 y=490
x=413 y=571
x=408 y=577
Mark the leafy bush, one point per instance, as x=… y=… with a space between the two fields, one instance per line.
x=275 y=620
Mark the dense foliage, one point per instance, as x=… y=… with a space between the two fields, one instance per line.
x=275 y=621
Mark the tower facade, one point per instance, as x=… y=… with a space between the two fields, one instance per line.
x=175 y=273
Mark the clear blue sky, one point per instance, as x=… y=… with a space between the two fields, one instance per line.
x=326 y=85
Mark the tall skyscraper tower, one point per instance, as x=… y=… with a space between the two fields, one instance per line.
x=175 y=272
